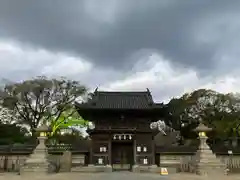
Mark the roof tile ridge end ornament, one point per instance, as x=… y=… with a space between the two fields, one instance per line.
x=94 y=97
x=148 y=91
x=96 y=90
x=149 y=97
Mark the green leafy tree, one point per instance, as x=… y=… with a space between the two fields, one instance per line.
x=12 y=134
x=68 y=119
x=217 y=110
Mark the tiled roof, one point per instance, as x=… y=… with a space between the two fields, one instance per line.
x=120 y=100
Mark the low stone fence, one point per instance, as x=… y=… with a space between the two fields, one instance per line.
x=187 y=163
x=232 y=162
x=13 y=157
x=12 y=163
x=181 y=163
x=178 y=162
x=178 y=158
x=65 y=161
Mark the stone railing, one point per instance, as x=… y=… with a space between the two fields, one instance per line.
x=12 y=163
x=61 y=161
x=187 y=163
x=178 y=163
x=13 y=157
x=232 y=163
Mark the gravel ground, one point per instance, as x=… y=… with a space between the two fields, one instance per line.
x=113 y=176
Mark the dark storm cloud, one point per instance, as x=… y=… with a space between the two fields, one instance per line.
x=159 y=25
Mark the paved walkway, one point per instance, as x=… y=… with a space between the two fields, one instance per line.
x=114 y=176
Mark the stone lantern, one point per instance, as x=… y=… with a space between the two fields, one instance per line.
x=207 y=163
x=37 y=162
x=43 y=130
x=202 y=130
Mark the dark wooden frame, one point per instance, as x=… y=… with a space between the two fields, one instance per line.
x=110 y=122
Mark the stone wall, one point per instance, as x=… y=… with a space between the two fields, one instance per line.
x=232 y=163
x=178 y=163
x=187 y=163
x=12 y=163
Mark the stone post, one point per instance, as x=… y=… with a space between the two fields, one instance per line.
x=207 y=161
x=135 y=167
x=38 y=162
x=66 y=162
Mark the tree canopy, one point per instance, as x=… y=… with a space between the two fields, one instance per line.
x=41 y=99
x=68 y=119
x=12 y=133
x=217 y=110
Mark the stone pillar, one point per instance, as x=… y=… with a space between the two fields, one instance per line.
x=91 y=154
x=153 y=167
x=66 y=162
x=37 y=162
x=207 y=161
x=135 y=167
x=109 y=165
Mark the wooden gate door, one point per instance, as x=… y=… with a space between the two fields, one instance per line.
x=122 y=156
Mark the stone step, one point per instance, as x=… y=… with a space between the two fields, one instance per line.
x=92 y=169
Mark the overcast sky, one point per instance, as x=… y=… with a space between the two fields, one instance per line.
x=168 y=46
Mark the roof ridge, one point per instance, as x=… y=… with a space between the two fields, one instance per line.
x=122 y=91
x=121 y=100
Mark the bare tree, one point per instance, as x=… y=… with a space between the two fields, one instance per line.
x=40 y=99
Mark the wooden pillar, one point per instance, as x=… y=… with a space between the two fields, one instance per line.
x=134 y=151
x=91 y=153
x=153 y=151
x=110 y=151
